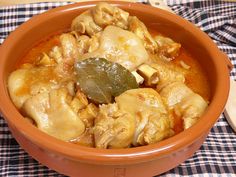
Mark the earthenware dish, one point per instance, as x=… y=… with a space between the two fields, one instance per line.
x=74 y=160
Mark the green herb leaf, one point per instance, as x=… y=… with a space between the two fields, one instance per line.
x=102 y=80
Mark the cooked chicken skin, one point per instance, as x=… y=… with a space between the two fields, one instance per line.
x=159 y=127
x=187 y=104
x=167 y=73
x=96 y=19
x=53 y=114
x=167 y=49
x=152 y=119
x=23 y=83
x=104 y=14
x=138 y=117
x=174 y=92
x=69 y=53
x=191 y=108
x=138 y=28
x=84 y=23
x=69 y=46
x=16 y=82
x=113 y=128
x=120 y=46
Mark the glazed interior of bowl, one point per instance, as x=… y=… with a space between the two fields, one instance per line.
x=195 y=41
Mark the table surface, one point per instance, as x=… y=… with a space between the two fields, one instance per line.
x=216 y=157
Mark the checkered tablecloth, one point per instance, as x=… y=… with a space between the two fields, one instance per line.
x=216 y=157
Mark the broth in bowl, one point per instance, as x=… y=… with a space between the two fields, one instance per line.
x=109 y=83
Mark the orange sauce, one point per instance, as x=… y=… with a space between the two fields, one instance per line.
x=45 y=45
x=195 y=77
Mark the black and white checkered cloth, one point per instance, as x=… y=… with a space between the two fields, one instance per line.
x=216 y=157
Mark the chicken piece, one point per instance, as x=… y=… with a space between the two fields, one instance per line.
x=83 y=44
x=69 y=46
x=186 y=104
x=138 y=28
x=138 y=117
x=140 y=100
x=104 y=14
x=56 y=54
x=94 y=42
x=174 y=92
x=159 y=127
x=86 y=139
x=69 y=52
x=17 y=87
x=79 y=102
x=153 y=122
x=120 y=46
x=191 y=108
x=97 y=18
x=53 y=115
x=113 y=128
x=88 y=114
x=84 y=23
x=70 y=85
x=167 y=48
x=167 y=73
x=23 y=83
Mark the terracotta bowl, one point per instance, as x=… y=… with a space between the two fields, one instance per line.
x=145 y=161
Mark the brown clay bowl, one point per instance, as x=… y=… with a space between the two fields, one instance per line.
x=142 y=161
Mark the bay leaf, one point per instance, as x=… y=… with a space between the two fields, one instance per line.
x=102 y=80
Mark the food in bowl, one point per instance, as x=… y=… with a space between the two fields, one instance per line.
x=109 y=83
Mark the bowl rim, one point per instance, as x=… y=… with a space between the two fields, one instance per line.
x=132 y=155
